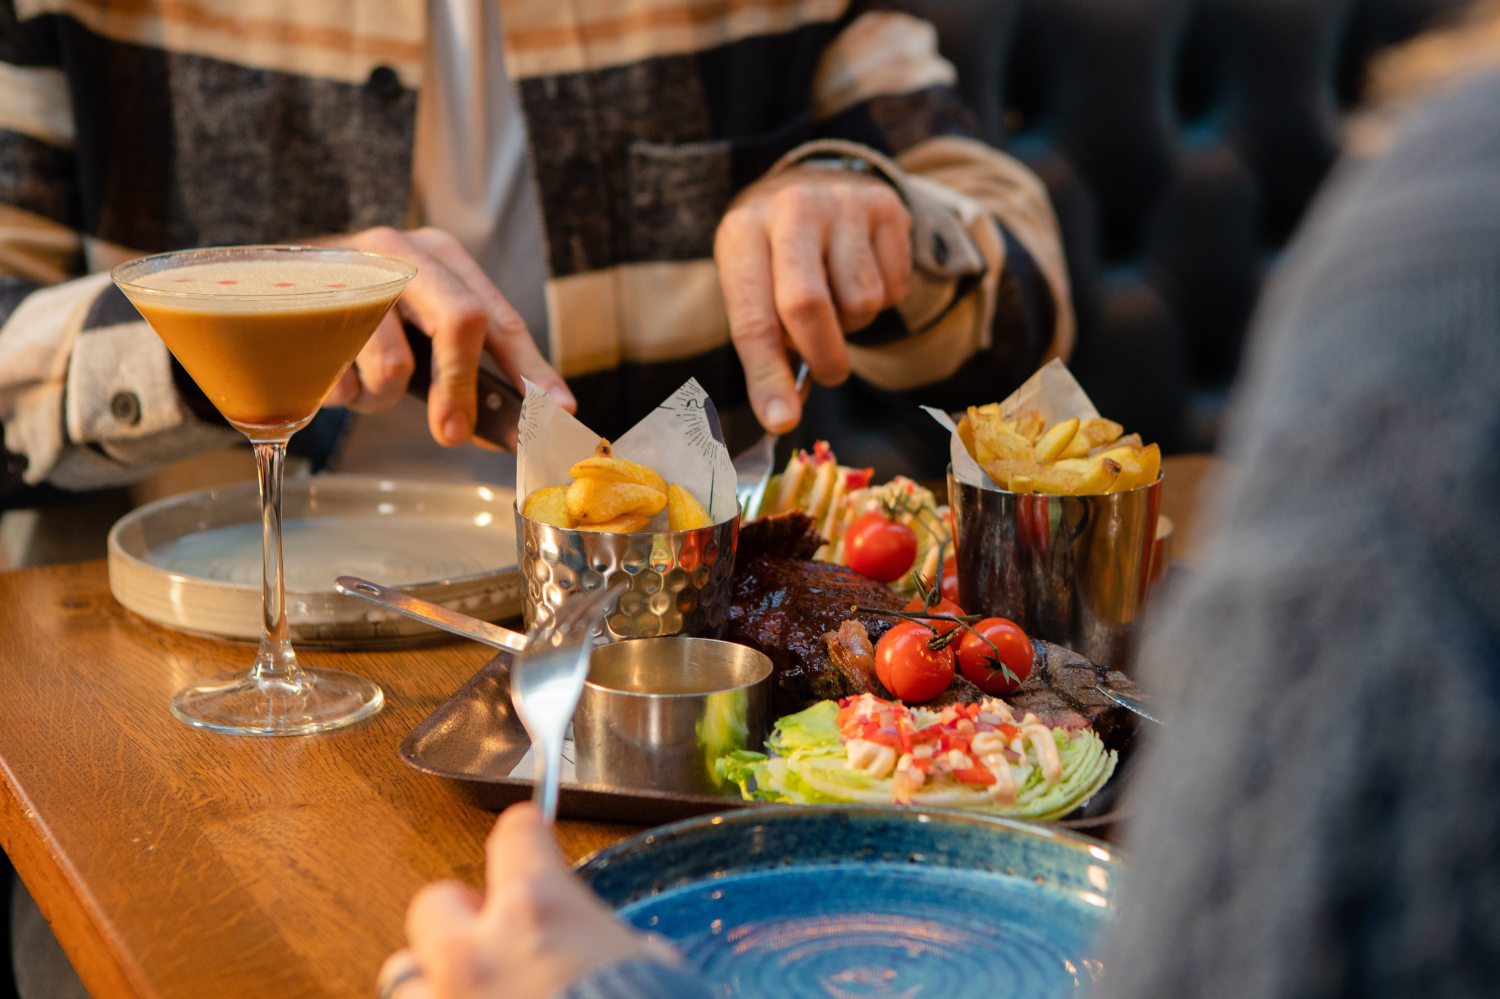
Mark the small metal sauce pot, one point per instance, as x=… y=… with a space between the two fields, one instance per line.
x=657 y=712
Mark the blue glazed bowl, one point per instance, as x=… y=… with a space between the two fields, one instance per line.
x=846 y=901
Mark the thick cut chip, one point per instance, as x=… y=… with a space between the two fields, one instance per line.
x=1150 y=462
x=1130 y=472
x=993 y=435
x=1091 y=434
x=1057 y=481
x=684 y=512
x=1099 y=477
x=1121 y=454
x=1131 y=441
x=1029 y=425
x=627 y=524
x=1054 y=441
x=611 y=469
x=966 y=434
x=549 y=506
x=1003 y=472
x=596 y=501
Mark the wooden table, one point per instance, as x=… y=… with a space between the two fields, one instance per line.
x=175 y=863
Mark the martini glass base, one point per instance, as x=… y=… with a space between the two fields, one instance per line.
x=310 y=701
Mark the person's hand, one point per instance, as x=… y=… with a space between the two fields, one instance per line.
x=452 y=301
x=805 y=257
x=535 y=931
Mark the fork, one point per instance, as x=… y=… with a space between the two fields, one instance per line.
x=753 y=468
x=547 y=680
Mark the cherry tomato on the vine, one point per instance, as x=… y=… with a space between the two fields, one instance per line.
x=880 y=548
x=944 y=606
x=977 y=659
x=909 y=669
x=950 y=578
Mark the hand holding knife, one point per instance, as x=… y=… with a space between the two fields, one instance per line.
x=499 y=412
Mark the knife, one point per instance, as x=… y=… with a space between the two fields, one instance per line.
x=499 y=412
x=1130 y=703
x=753 y=467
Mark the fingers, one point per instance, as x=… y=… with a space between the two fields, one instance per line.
x=345 y=390
x=890 y=236
x=385 y=366
x=853 y=271
x=438 y=911
x=742 y=250
x=507 y=338
x=521 y=845
x=798 y=226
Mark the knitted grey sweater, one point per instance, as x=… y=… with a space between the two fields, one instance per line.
x=1322 y=817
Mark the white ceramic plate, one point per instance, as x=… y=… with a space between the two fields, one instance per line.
x=193 y=563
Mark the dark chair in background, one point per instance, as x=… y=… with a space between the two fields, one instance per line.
x=1181 y=141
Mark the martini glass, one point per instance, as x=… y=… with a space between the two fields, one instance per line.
x=266 y=332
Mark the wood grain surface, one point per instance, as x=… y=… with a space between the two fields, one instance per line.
x=1187 y=479
x=175 y=863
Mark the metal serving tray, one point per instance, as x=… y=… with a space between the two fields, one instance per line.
x=474 y=740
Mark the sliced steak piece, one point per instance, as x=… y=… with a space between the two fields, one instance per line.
x=789 y=535
x=784 y=606
x=1061 y=692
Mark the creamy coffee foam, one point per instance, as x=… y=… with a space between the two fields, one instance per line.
x=267 y=277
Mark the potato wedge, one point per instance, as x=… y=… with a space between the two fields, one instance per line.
x=994 y=439
x=1003 y=471
x=1054 y=441
x=628 y=524
x=597 y=501
x=1029 y=425
x=1150 y=462
x=966 y=434
x=1056 y=481
x=549 y=506
x=612 y=469
x=1099 y=477
x=1022 y=485
x=1130 y=473
x=1121 y=454
x=1091 y=434
x=1078 y=466
x=684 y=512
x=1131 y=441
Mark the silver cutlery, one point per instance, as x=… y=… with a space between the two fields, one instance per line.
x=753 y=468
x=547 y=680
x=1129 y=702
x=430 y=613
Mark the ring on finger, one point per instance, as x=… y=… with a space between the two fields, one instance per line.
x=388 y=991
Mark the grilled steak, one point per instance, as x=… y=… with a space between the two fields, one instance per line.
x=784 y=606
x=792 y=609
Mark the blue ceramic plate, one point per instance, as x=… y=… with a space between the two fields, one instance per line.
x=849 y=901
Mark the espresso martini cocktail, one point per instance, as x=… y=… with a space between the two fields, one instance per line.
x=266 y=332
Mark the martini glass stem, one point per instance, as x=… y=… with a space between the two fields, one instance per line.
x=275 y=663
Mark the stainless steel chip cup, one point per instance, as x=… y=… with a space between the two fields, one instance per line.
x=1072 y=570
x=679 y=580
x=656 y=713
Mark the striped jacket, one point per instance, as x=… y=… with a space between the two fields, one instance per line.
x=130 y=126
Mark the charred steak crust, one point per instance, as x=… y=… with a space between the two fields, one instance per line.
x=789 y=535
x=784 y=606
